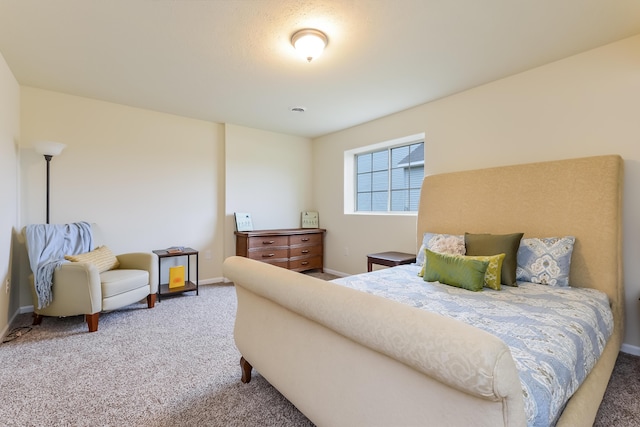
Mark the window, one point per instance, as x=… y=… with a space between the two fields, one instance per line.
x=386 y=177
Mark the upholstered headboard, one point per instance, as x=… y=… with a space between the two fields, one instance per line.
x=578 y=197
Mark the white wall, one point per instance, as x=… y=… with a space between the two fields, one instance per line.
x=267 y=175
x=9 y=155
x=149 y=180
x=583 y=105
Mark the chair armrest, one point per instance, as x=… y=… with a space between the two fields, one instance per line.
x=142 y=261
x=76 y=290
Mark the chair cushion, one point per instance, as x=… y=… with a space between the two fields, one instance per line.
x=116 y=282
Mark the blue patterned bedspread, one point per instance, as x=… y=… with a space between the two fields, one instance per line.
x=556 y=335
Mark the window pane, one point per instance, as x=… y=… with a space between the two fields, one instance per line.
x=380 y=181
x=398 y=178
x=364 y=182
x=416 y=175
x=399 y=200
x=399 y=156
x=379 y=201
x=414 y=199
x=380 y=160
x=363 y=163
x=364 y=202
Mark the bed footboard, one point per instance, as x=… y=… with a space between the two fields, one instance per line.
x=344 y=357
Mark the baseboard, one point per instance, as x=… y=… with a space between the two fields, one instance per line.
x=336 y=273
x=212 y=281
x=630 y=349
x=10 y=325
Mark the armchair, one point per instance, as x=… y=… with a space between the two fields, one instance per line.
x=80 y=288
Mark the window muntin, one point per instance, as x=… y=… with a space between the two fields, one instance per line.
x=389 y=179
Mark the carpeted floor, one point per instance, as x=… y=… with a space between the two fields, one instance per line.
x=174 y=365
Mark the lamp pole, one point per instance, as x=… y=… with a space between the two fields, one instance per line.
x=48 y=158
x=49 y=149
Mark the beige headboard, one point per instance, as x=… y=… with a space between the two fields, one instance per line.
x=578 y=197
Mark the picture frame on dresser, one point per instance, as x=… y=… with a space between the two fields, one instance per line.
x=243 y=221
x=309 y=219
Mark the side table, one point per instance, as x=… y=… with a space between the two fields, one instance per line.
x=163 y=289
x=389 y=259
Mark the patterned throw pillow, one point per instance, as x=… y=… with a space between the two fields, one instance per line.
x=455 y=270
x=494 y=270
x=545 y=260
x=441 y=243
x=101 y=257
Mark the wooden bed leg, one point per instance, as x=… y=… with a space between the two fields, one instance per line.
x=92 y=321
x=37 y=319
x=246 y=370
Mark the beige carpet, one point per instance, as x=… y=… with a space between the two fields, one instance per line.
x=173 y=365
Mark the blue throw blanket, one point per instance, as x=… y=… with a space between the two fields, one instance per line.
x=47 y=244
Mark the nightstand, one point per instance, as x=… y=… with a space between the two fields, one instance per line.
x=163 y=289
x=389 y=259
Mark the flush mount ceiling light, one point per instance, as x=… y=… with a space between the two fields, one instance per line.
x=309 y=43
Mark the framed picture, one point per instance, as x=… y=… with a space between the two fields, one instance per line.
x=310 y=219
x=243 y=221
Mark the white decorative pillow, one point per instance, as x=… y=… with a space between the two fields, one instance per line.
x=545 y=260
x=450 y=244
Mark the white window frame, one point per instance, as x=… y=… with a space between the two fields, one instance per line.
x=350 y=174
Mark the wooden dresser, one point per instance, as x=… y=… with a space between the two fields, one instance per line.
x=297 y=249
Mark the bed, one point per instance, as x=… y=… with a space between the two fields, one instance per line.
x=347 y=357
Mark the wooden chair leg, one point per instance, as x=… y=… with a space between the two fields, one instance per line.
x=246 y=370
x=37 y=319
x=92 y=321
x=151 y=300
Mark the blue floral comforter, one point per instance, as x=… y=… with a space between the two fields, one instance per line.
x=556 y=335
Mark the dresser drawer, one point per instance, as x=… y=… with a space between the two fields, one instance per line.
x=267 y=253
x=283 y=263
x=302 y=264
x=268 y=241
x=305 y=239
x=308 y=251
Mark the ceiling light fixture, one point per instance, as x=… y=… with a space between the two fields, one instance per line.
x=309 y=43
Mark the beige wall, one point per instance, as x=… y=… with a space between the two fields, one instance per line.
x=267 y=175
x=9 y=158
x=149 y=180
x=584 y=105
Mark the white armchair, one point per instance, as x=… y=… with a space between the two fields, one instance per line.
x=79 y=287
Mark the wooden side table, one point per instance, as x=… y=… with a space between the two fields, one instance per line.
x=163 y=289
x=389 y=259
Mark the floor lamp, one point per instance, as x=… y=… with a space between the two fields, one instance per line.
x=49 y=149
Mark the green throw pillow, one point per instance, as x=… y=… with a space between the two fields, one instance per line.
x=455 y=270
x=494 y=270
x=494 y=244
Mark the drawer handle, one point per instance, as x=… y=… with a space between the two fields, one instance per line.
x=306 y=251
x=304 y=262
x=267 y=255
x=268 y=242
x=305 y=239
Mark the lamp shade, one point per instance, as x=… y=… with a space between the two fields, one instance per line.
x=309 y=43
x=49 y=148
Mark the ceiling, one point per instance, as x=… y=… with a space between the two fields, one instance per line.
x=231 y=61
